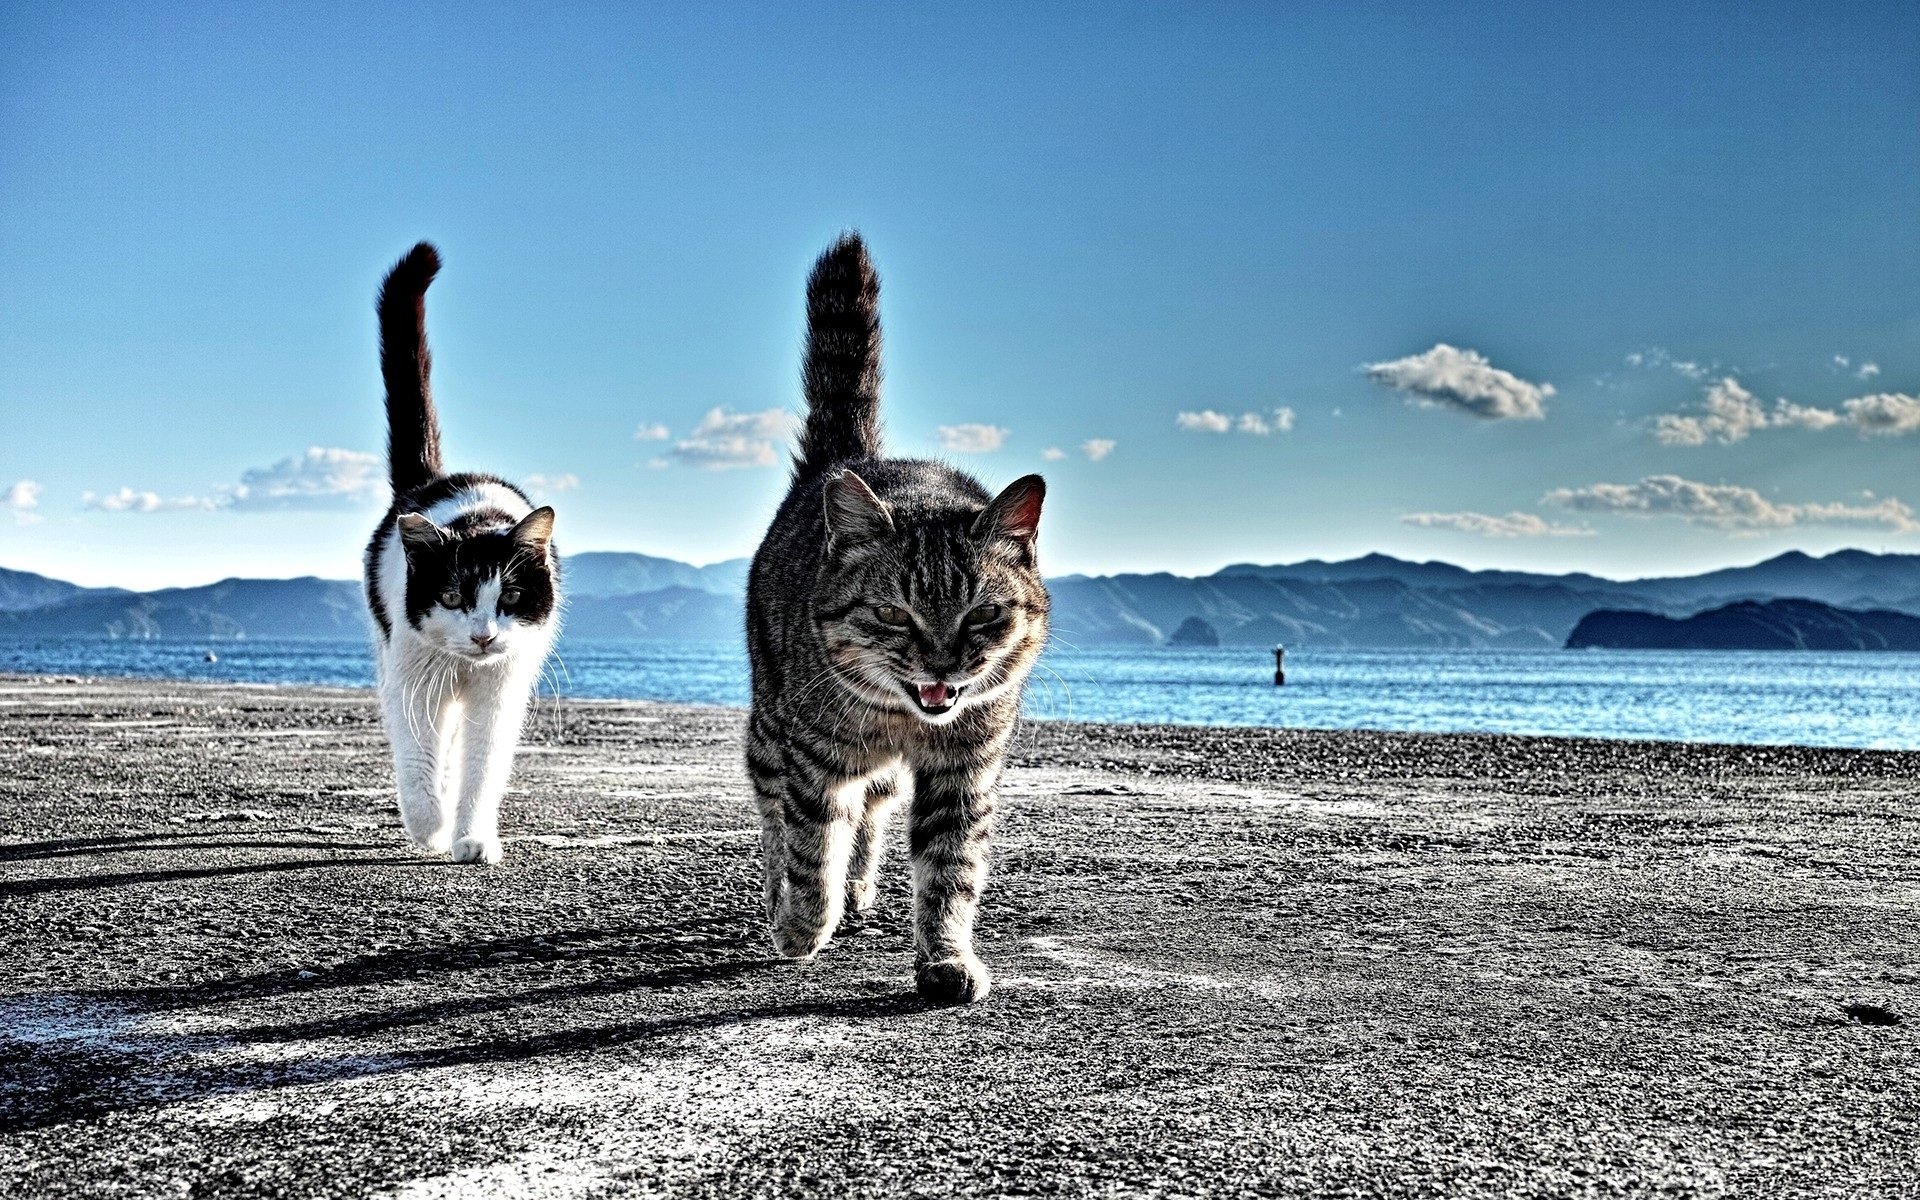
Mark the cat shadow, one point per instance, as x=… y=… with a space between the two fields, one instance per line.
x=135 y=845
x=83 y=1055
x=116 y=843
x=642 y=943
x=88 y=883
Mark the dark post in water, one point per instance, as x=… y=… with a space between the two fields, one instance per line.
x=1279 y=666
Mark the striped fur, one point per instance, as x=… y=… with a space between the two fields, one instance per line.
x=841 y=376
x=894 y=610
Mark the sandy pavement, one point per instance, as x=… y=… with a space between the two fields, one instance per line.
x=1228 y=961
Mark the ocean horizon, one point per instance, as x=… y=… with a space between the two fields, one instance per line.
x=1863 y=700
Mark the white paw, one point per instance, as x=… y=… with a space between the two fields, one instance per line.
x=863 y=894
x=438 y=841
x=477 y=850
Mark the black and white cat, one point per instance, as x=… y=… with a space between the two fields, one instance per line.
x=465 y=588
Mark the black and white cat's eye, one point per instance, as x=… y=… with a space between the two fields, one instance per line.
x=891 y=614
x=450 y=598
x=510 y=596
x=986 y=614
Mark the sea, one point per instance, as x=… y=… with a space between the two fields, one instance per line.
x=1857 y=699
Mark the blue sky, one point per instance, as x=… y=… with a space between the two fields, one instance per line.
x=1694 y=224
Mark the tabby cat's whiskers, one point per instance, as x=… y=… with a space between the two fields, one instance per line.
x=894 y=611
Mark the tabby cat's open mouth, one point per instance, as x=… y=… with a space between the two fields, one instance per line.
x=936 y=698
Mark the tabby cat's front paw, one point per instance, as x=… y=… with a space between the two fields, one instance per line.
x=861 y=896
x=791 y=941
x=477 y=850
x=962 y=979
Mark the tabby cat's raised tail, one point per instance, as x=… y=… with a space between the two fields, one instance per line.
x=842 y=372
x=413 y=431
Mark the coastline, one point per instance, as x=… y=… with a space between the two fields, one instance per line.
x=1819 y=699
x=1391 y=963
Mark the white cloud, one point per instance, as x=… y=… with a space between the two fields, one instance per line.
x=1730 y=413
x=1866 y=370
x=971 y=438
x=725 y=441
x=1053 y=454
x=652 y=431
x=1204 y=421
x=1513 y=525
x=1658 y=357
x=553 y=483
x=323 y=477
x=1890 y=514
x=1786 y=413
x=128 y=500
x=1097 y=448
x=1889 y=414
x=1279 y=420
x=21 y=499
x=1725 y=506
x=1675 y=430
x=1463 y=380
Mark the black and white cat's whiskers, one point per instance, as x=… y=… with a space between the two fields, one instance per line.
x=463 y=584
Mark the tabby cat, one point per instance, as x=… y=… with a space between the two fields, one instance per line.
x=893 y=612
x=465 y=591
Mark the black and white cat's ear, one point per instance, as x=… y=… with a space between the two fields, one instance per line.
x=1015 y=513
x=854 y=513
x=535 y=529
x=418 y=533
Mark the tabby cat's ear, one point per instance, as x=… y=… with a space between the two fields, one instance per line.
x=854 y=513
x=535 y=529
x=1015 y=512
x=418 y=533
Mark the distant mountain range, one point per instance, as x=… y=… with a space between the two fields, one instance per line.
x=1750 y=625
x=1383 y=601
x=1376 y=600
x=599 y=573
x=24 y=589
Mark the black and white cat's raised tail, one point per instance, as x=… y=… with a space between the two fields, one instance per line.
x=465 y=591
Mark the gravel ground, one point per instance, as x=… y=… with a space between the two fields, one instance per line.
x=1336 y=964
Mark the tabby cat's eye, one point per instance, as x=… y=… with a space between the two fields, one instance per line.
x=890 y=614
x=986 y=614
x=510 y=596
x=450 y=598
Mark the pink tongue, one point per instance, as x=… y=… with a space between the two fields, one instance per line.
x=934 y=695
